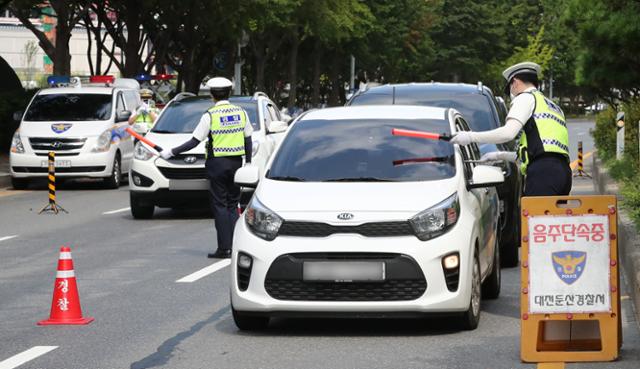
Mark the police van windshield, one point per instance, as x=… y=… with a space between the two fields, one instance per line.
x=69 y=107
x=362 y=151
x=183 y=116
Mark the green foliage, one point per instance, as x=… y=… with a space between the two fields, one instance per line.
x=631 y=198
x=604 y=134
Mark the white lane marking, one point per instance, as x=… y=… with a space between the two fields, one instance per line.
x=116 y=211
x=205 y=271
x=21 y=358
x=8 y=237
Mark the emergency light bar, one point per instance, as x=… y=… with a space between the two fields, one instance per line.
x=102 y=79
x=142 y=77
x=163 y=77
x=56 y=80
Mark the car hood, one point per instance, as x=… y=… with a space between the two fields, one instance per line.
x=171 y=140
x=64 y=129
x=400 y=198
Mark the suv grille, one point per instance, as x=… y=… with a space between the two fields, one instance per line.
x=313 y=229
x=183 y=173
x=404 y=279
x=56 y=144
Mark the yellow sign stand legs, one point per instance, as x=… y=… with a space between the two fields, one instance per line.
x=569 y=293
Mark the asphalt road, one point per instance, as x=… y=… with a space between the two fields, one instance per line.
x=127 y=274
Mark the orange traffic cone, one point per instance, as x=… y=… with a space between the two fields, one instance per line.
x=65 y=307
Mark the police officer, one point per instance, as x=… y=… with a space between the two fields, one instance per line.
x=543 y=150
x=144 y=118
x=228 y=131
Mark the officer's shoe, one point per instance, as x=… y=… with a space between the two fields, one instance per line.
x=220 y=254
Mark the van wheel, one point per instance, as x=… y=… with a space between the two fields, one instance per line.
x=249 y=322
x=138 y=209
x=471 y=317
x=19 y=183
x=113 y=181
x=491 y=285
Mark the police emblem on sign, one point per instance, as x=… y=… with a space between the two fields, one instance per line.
x=60 y=127
x=569 y=265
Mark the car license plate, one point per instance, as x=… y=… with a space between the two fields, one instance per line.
x=188 y=184
x=58 y=163
x=343 y=271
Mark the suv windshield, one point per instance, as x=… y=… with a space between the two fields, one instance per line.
x=69 y=107
x=183 y=116
x=362 y=151
x=475 y=108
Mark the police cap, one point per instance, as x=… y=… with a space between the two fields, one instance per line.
x=520 y=68
x=219 y=83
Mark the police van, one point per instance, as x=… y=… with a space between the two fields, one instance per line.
x=83 y=124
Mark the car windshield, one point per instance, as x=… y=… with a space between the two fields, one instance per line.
x=183 y=116
x=475 y=108
x=69 y=107
x=363 y=151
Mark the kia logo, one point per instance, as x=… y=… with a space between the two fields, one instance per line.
x=345 y=216
x=190 y=159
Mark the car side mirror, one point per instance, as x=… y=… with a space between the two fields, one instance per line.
x=123 y=116
x=247 y=176
x=486 y=176
x=277 y=126
x=17 y=116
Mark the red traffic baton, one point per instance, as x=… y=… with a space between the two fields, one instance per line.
x=141 y=138
x=420 y=134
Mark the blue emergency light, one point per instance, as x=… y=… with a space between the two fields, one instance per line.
x=56 y=80
x=142 y=77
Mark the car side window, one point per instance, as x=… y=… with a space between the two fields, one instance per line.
x=273 y=112
x=120 y=105
x=466 y=151
x=266 y=114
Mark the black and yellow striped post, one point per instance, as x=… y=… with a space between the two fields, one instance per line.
x=580 y=171
x=52 y=206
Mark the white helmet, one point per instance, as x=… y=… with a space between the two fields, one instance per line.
x=219 y=83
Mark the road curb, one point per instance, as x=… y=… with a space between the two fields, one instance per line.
x=628 y=238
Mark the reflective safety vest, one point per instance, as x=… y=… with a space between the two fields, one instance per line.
x=544 y=132
x=226 y=136
x=145 y=118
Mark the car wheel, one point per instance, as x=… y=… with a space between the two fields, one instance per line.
x=491 y=285
x=19 y=183
x=471 y=317
x=113 y=181
x=249 y=322
x=138 y=209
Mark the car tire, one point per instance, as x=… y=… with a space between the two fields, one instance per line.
x=246 y=322
x=19 y=183
x=114 y=180
x=471 y=317
x=140 y=210
x=491 y=285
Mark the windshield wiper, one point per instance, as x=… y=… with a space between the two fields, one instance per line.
x=287 y=178
x=163 y=131
x=359 y=179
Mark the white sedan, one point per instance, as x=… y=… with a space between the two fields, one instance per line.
x=350 y=220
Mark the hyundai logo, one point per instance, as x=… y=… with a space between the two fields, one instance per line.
x=190 y=159
x=56 y=144
x=345 y=216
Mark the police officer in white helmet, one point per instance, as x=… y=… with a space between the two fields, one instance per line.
x=228 y=130
x=543 y=150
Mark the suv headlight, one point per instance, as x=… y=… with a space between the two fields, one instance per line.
x=141 y=152
x=255 y=147
x=262 y=221
x=436 y=220
x=104 y=142
x=16 y=144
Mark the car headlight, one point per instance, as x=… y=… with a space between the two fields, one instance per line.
x=140 y=152
x=16 y=144
x=255 y=147
x=436 y=220
x=262 y=221
x=104 y=142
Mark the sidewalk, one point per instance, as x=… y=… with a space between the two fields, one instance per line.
x=5 y=178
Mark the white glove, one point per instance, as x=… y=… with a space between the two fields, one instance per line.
x=462 y=138
x=166 y=154
x=499 y=155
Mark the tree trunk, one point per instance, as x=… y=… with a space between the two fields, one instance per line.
x=317 y=56
x=293 y=70
x=62 y=63
x=260 y=60
x=334 y=75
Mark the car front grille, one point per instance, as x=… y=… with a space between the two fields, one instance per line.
x=183 y=173
x=314 y=229
x=59 y=170
x=404 y=280
x=56 y=144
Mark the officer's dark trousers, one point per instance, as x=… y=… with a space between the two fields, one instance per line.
x=549 y=175
x=224 y=195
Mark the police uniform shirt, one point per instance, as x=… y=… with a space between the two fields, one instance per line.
x=201 y=132
x=522 y=107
